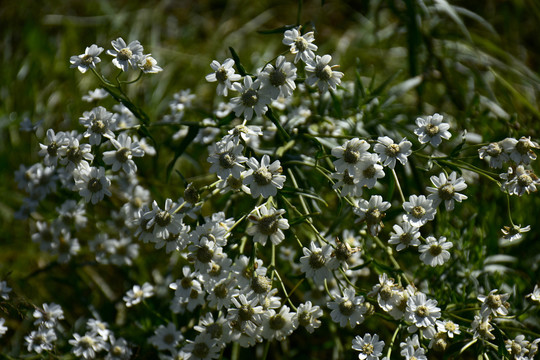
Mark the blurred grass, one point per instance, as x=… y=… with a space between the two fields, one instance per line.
x=480 y=69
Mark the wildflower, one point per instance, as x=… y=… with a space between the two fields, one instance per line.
x=40 y=340
x=494 y=304
x=279 y=80
x=517 y=181
x=316 y=263
x=350 y=155
x=224 y=75
x=77 y=155
x=432 y=130
x=277 y=325
x=514 y=233
x=517 y=348
x=301 y=45
x=520 y=151
x=98 y=122
x=449 y=327
x=421 y=311
x=411 y=349
x=419 y=210
x=482 y=327
x=370 y=347
x=99 y=327
x=166 y=338
x=372 y=212
x=348 y=308
x=251 y=99
x=404 y=236
x=88 y=345
x=49 y=316
x=435 y=252
x=4 y=290
x=138 y=293
x=126 y=149
x=495 y=152
x=95 y=95
x=233 y=184
x=264 y=178
x=246 y=315
x=92 y=184
x=446 y=189
x=88 y=60
x=164 y=222
x=386 y=292
x=268 y=225
x=308 y=316
x=369 y=171
x=389 y=152
x=215 y=328
x=204 y=347
x=319 y=72
x=55 y=149
x=125 y=55
x=118 y=349
x=148 y=64
x=226 y=159
x=535 y=295
x=349 y=183
x=204 y=252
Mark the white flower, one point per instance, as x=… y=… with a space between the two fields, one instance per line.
x=125 y=55
x=446 y=189
x=432 y=130
x=164 y=221
x=449 y=327
x=226 y=159
x=421 y=311
x=513 y=234
x=520 y=151
x=224 y=75
x=138 y=293
x=204 y=347
x=535 y=295
x=482 y=328
x=301 y=45
x=56 y=148
x=98 y=122
x=368 y=171
x=278 y=325
x=246 y=315
x=251 y=99
x=77 y=155
x=279 y=80
x=94 y=95
x=308 y=316
x=166 y=338
x=119 y=349
x=316 y=263
x=88 y=60
x=349 y=183
x=386 y=292
x=404 y=236
x=4 y=290
x=494 y=304
x=389 y=152
x=40 y=340
x=518 y=348
x=264 y=178
x=370 y=347
x=350 y=155
x=126 y=149
x=3 y=329
x=372 y=212
x=319 y=72
x=92 y=184
x=518 y=181
x=348 y=308
x=495 y=152
x=435 y=252
x=419 y=210
x=148 y=64
x=49 y=316
x=268 y=224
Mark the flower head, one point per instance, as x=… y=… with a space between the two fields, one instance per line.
x=268 y=225
x=370 y=347
x=319 y=72
x=224 y=74
x=125 y=55
x=432 y=130
x=88 y=60
x=301 y=45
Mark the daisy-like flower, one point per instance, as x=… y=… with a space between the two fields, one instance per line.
x=435 y=252
x=369 y=171
x=246 y=315
x=316 y=263
x=268 y=225
x=56 y=148
x=251 y=99
x=308 y=316
x=95 y=95
x=138 y=293
x=98 y=122
x=166 y=338
x=446 y=189
x=164 y=221
x=370 y=347
x=204 y=253
x=92 y=184
x=279 y=80
x=389 y=151
x=513 y=234
x=419 y=210
x=348 y=308
x=204 y=347
x=432 y=130
x=77 y=155
x=495 y=152
x=448 y=327
x=40 y=340
x=226 y=159
x=350 y=155
x=119 y=349
x=521 y=151
x=148 y=64
x=224 y=75
x=125 y=55
x=301 y=45
x=349 y=183
x=482 y=327
x=517 y=348
x=422 y=312
x=278 y=325
x=121 y=158
x=386 y=292
x=233 y=184
x=404 y=236
x=372 y=212
x=518 y=181
x=494 y=304
x=535 y=295
x=319 y=72
x=88 y=345
x=264 y=178
x=88 y=60
x=49 y=315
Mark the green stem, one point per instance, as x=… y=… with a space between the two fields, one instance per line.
x=398 y=185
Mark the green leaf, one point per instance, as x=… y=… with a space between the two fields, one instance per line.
x=283 y=149
x=236 y=59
